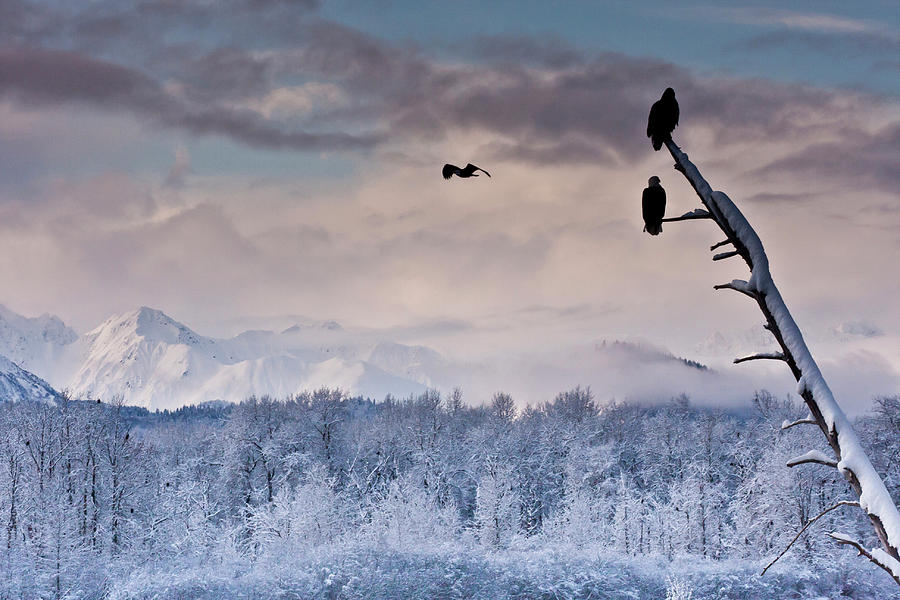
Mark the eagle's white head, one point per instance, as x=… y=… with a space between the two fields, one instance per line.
x=653 y=180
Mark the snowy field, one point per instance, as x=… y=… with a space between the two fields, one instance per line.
x=538 y=573
x=325 y=496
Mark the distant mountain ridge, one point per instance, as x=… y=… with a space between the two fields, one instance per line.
x=35 y=344
x=152 y=360
x=156 y=361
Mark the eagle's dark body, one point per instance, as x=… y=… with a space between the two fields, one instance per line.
x=663 y=119
x=653 y=205
x=469 y=171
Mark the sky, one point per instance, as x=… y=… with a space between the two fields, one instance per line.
x=233 y=162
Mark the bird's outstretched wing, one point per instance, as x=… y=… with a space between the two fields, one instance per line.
x=472 y=168
x=449 y=170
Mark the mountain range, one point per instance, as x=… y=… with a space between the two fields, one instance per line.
x=152 y=360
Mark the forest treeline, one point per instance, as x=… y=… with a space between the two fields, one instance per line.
x=93 y=493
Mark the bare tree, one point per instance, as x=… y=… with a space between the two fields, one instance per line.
x=503 y=407
x=849 y=457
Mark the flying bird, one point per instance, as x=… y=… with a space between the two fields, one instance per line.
x=663 y=119
x=469 y=171
x=653 y=204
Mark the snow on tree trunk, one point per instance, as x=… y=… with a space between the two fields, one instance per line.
x=496 y=507
x=852 y=461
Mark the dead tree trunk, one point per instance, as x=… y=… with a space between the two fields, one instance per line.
x=851 y=461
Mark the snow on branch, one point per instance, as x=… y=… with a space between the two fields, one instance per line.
x=807 y=421
x=876 y=555
x=738 y=285
x=761 y=356
x=853 y=463
x=724 y=255
x=697 y=213
x=813 y=456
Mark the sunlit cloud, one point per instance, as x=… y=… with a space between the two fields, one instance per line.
x=805 y=21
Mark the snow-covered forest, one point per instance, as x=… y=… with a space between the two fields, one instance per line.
x=325 y=496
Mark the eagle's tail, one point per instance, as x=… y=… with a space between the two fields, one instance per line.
x=653 y=228
x=657 y=142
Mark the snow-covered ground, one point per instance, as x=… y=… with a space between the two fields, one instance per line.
x=561 y=572
x=329 y=497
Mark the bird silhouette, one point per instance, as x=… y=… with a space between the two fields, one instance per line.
x=469 y=171
x=653 y=206
x=663 y=119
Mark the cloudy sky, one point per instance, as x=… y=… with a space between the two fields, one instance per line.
x=231 y=162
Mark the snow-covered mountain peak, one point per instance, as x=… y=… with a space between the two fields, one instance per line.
x=147 y=324
x=47 y=328
x=319 y=326
x=17 y=384
x=155 y=361
x=384 y=353
x=148 y=357
x=36 y=344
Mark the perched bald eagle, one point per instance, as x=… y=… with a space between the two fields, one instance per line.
x=663 y=119
x=469 y=171
x=653 y=203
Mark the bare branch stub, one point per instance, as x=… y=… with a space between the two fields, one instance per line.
x=761 y=356
x=807 y=421
x=724 y=255
x=738 y=285
x=805 y=527
x=697 y=213
x=720 y=244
